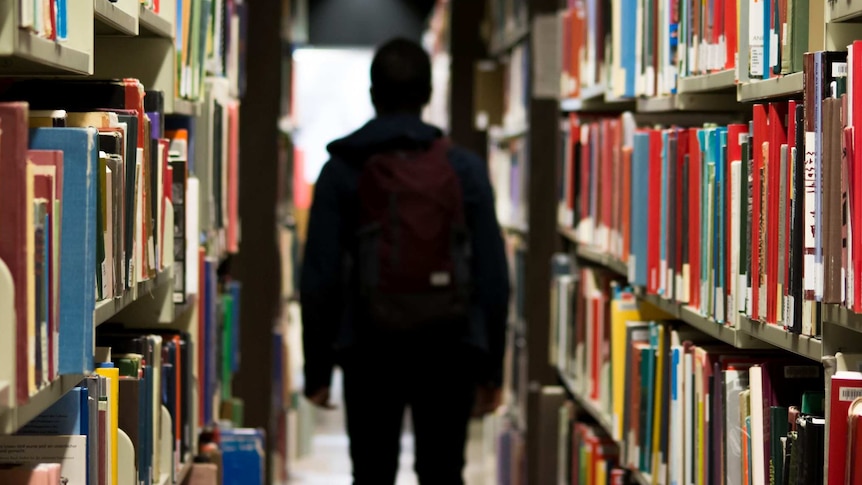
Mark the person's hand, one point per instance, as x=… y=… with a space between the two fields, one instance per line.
x=488 y=399
x=320 y=398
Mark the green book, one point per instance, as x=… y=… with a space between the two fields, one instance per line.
x=778 y=430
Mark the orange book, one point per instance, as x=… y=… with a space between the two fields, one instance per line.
x=233 y=178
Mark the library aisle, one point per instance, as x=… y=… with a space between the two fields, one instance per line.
x=329 y=461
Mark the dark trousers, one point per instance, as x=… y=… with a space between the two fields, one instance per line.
x=436 y=383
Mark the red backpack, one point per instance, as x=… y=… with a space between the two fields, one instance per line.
x=414 y=251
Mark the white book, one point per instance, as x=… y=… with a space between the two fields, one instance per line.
x=108 y=266
x=735 y=382
x=755 y=59
x=676 y=436
x=70 y=451
x=192 y=238
x=758 y=473
x=688 y=417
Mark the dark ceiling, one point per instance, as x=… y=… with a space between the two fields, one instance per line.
x=364 y=23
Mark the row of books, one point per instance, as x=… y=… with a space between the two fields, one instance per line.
x=687 y=410
x=156 y=389
x=587 y=454
x=739 y=219
x=643 y=47
x=209 y=40
x=516 y=86
x=46 y=18
x=98 y=196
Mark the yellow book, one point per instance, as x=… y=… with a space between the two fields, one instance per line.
x=113 y=376
x=625 y=307
x=658 y=405
x=96 y=119
x=46 y=119
x=700 y=417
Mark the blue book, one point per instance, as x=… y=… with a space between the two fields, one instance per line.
x=243 y=456
x=235 y=290
x=702 y=140
x=78 y=252
x=640 y=204
x=62 y=20
x=210 y=342
x=67 y=416
x=629 y=45
x=767 y=39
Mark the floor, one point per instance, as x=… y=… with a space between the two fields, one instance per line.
x=329 y=462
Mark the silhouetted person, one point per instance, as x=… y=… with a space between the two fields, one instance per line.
x=404 y=282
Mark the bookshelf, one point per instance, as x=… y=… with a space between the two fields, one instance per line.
x=116 y=18
x=774 y=88
x=703 y=87
x=107 y=309
x=152 y=310
x=719 y=81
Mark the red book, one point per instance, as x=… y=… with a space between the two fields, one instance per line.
x=730 y=23
x=233 y=179
x=854 y=444
x=655 y=194
x=13 y=225
x=777 y=137
x=846 y=387
x=586 y=176
x=694 y=217
x=855 y=55
x=52 y=158
x=760 y=130
x=856 y=207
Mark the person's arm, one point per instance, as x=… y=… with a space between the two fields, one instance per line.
x=320 y=285
x=491 y=274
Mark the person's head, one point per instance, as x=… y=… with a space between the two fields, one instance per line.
x=400 y=78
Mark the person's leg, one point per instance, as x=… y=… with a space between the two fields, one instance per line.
x=374 y=407
x=441 y=401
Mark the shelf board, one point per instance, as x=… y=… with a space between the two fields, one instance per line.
x=37 y=56
x=589 y=406
x=508 y=39
x=808 y=347
x=842 y=316
x=843 y=10
x=602 y=259
x=718 y=81
x=596 y=99
x=154 y=25
x=112 y=20
x=106 y=309
x=775 y=88
x=689 y=102
x=510 y=132
x=11 y=420
x=727 y=334
x=185 y=107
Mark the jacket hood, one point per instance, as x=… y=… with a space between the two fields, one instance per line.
x=382 y=133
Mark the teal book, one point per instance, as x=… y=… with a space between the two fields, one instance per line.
x=778 y=424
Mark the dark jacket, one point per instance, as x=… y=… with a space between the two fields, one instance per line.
x=328 y=314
